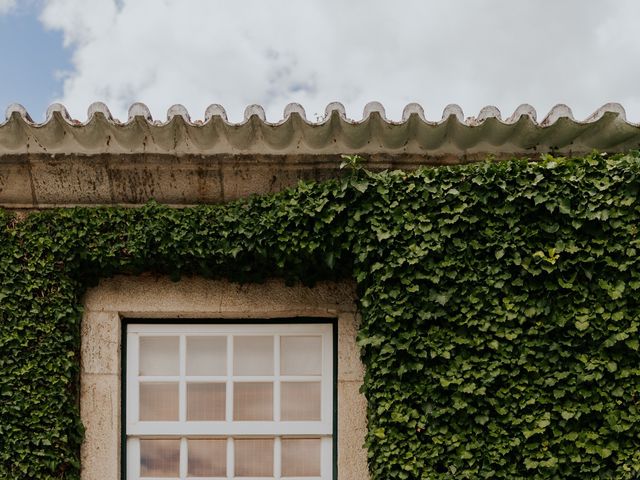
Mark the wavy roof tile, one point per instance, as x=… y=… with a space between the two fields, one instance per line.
x=521 y=133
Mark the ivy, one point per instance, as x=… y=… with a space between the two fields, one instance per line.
x=500 y=309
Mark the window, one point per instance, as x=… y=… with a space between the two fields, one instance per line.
x=231 y=401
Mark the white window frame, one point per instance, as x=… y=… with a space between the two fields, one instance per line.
x=229 y=429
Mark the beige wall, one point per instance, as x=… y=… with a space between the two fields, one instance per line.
x=155 y=297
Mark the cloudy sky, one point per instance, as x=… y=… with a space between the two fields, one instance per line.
x=196 y=52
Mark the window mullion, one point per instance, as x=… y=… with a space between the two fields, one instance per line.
x=133 y=389
x=182 y=399
x=257 y=428
x=276 y=379
x=133 y=452
x=327 y=379
x=183 y=458
x=326 y=457
x=277 y=458
x=230 y=459
x=229 y=396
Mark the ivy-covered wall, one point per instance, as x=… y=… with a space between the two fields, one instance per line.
x=500 y=306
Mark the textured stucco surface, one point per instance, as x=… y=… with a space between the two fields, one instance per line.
x=155 y=297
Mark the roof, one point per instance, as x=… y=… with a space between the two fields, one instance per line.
x=521 y=133
x=177 y=161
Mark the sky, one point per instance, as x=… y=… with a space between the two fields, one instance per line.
x=583 y=53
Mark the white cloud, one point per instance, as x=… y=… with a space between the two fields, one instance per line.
x=500 y=52
x=6 y=6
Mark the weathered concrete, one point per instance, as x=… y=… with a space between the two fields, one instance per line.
x=32 y=181
x=100 y=339
x=153 y=297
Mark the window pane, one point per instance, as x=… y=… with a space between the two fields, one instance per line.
x=254 y=457
x=206 y=401
x=300 y=457
x=300 y=401
x=301 y=355
x=253 y=355
x=159 y=458
x=159 y=401
x=206 y=355
x=159 y=355
x=207 y=458
x=253 y=401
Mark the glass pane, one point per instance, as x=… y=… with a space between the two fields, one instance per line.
x=253 y=355
x=159 y=458
x=206 y=355
x=159 y=401
x=159 y=356
x=206 y=401
x=207 y=458
x=253 y=401
x=301 y=355
x=300 y=457
x=254 y=457
x=300 y=401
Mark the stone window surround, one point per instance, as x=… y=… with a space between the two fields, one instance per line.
x=149 y=296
